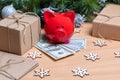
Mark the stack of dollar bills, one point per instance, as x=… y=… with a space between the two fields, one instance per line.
x=58 y=51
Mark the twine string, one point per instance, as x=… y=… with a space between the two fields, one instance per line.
x=17 y=20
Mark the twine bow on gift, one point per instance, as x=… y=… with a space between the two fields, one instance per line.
x=8 y=64
x=109 y=18
x=17 y=20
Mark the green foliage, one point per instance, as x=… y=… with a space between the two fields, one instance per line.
x=24 y=5
x=84 y=7
x=62 y=5
x=32 y=5
x=88 y=7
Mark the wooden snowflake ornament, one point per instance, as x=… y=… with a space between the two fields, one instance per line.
x=92 y=56
x=117 y=54
x=80 y=72
x=42 y=72
x=76 y=30
x=34 y=55
x=100 y=43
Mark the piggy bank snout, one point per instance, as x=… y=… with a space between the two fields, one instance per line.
x=60 y=33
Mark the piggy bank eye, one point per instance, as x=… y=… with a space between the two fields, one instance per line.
x=62 y=26
x=57 y=27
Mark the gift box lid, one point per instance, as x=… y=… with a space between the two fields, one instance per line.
x=12 y=24
x=110 y=15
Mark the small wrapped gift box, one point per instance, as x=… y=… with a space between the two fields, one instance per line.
x=18 y=33
x=14 y=67
x=107 y=24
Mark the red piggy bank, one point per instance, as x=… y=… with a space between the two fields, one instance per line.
x=59 y=27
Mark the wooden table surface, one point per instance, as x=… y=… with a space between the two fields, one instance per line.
x=106 y=68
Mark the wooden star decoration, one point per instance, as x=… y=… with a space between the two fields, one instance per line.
x=80 y=72
x=34 y=55
x=92 y=56
x=100 y=43
x=117 y=54
x=42 y=72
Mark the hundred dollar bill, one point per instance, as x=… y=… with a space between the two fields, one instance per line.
x=76 y=44
x=61 y=50
x=54 y=51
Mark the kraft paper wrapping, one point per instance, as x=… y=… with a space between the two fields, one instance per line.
x=17 y=70
x=16 y=38
x=107 y=25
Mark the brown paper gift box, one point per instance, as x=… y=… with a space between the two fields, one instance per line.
x=16 y=68
x=107 y=23
x=19 y=38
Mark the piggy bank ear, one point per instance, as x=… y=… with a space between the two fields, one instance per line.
x=70 y=14
x=48 y=15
